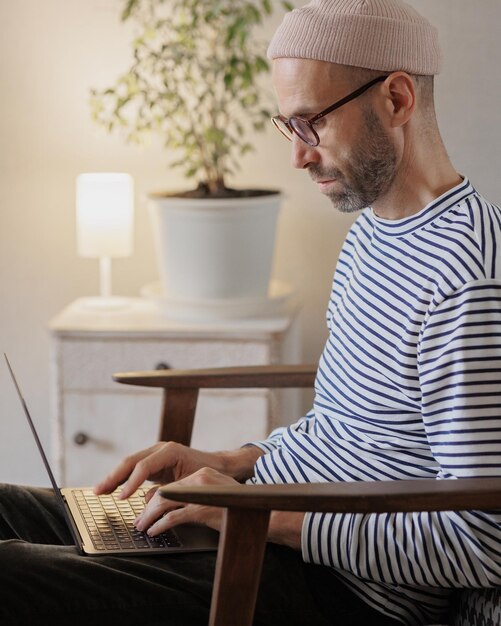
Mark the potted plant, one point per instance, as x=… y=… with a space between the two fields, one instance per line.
x=195 y=80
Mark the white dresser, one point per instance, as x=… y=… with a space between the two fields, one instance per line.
x=96 y=422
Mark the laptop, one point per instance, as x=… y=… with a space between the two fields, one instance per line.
x=103 y=525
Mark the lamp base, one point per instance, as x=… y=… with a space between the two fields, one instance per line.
x=105 y=303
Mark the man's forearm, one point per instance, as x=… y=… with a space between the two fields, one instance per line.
x=285 y=528
x=240 y=463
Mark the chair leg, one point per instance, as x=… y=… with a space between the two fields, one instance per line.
x=238 y=568
x=178 y=414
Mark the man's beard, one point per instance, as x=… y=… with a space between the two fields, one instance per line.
x=370 y=172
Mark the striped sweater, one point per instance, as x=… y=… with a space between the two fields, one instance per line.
x=408 y=387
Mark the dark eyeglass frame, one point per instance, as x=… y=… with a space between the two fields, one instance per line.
x=290 y=121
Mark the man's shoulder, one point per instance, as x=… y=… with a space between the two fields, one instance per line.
x=477 y=221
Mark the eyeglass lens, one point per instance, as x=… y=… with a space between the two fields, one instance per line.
x=303 y=129
x=298 y=126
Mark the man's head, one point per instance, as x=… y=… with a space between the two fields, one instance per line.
x=327 y=50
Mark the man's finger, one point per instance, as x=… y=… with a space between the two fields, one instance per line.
x=150 y=493
x=155 y=509
x=144 y=469
x=183 y=515
x=122 y=472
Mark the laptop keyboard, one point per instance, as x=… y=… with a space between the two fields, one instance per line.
x=110 y=522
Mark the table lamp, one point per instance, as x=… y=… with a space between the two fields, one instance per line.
x=104 y=203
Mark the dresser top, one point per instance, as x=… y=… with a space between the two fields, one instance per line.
x=141 y=317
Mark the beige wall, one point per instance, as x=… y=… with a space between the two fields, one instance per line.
x=51 y=53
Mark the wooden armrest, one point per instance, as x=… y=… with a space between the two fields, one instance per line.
x=350 y=497
x=248 y=507
x=181 y=389
x=272 y=376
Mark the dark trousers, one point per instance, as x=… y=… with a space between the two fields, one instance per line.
x=43 y=580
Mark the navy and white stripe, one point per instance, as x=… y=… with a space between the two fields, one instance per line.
x=408 y=387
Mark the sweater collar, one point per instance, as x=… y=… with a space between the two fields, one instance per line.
x=430 y=212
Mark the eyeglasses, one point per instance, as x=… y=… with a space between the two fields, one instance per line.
x=304 y=128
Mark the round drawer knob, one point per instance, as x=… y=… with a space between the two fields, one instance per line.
x=80 y=439
x=162 y=366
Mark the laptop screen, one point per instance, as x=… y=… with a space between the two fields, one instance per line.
x=52 y=479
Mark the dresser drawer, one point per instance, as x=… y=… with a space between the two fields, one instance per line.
x=89 y=364
x=101 y=429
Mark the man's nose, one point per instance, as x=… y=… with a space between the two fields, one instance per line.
x=302 y=154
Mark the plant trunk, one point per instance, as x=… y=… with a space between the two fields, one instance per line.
x=216 y=186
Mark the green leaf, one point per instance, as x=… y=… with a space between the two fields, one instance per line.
x=126 y=13
x=238 y=28
x=253 y=15
x=261 y=64
x=247 y=147
x=267 y=8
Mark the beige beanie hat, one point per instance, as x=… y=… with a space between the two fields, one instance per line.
x=386 y=35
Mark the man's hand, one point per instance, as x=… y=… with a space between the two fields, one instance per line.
x=161 y=514
x=167 y=462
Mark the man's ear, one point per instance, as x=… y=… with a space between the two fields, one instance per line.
x=400 y=98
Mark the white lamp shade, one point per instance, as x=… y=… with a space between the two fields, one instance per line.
x=104 y=214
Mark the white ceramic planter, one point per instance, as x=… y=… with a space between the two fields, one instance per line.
x=215 y=248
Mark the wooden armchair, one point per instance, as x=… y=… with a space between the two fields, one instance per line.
x=243 y=536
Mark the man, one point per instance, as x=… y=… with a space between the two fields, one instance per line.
x=407 y=387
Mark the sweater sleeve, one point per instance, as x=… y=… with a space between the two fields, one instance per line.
x=274 y=439
x=459 y=364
